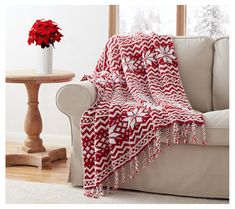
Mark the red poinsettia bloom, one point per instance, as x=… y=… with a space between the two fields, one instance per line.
x=44 y=33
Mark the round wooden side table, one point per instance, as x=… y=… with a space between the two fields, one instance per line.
x=33 y=145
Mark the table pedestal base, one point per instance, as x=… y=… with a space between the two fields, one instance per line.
x=33 y=145
x=42 y=160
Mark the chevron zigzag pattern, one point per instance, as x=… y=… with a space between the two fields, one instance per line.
x=140 y=97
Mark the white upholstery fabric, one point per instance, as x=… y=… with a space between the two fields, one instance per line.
x=217 y=127
x=221 y=74
x=200 y=171
x=195 y=57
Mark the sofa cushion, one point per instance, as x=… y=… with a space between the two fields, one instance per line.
x=195 y=57
x=220 y=90
x=217 y=129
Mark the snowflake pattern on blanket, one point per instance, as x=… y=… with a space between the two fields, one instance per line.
x=140 y=97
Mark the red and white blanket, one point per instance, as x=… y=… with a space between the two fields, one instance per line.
x=140 y=95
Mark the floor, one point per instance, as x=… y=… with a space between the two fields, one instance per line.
x=58 y=174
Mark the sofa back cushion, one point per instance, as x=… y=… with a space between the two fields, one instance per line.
x=195 y=57
x=220 y=89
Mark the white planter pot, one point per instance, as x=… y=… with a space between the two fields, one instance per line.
x=44 y=59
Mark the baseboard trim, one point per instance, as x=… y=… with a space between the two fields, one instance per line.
x=60 y=140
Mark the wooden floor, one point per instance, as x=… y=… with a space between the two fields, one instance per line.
x=58 y=174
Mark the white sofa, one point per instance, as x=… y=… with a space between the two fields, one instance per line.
x=183 y=169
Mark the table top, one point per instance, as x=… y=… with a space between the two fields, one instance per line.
x=24 y=76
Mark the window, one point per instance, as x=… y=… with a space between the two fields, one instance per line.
x=160 y=19
x=207 y=20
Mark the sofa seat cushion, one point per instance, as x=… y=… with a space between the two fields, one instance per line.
x=217 y=129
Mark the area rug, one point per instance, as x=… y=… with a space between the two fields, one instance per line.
x=25 y=192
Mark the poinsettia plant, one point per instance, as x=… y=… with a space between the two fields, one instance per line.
x=44 y=33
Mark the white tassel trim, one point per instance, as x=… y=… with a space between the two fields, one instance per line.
x=168 y=136
x=176 y=133
x=193 y=129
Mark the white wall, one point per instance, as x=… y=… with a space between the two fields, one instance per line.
x=85 y=30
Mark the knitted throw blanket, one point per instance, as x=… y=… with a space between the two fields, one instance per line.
x=141 y=100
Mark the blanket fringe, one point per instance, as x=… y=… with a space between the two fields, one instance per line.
x=116 y=179
x=132 y=169
x=123 y=170
x=137 y=170
x=180 y=134
x=150 y=153
x=185 y=132
x=176 y=133
x=100 y=190
x=91 y=193
x=108 y=185
x=157 y=144
x=144 y=159
x=168 y=136
x=193 y=130
x=204 y=141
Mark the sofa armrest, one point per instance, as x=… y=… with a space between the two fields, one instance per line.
x=74 y=99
